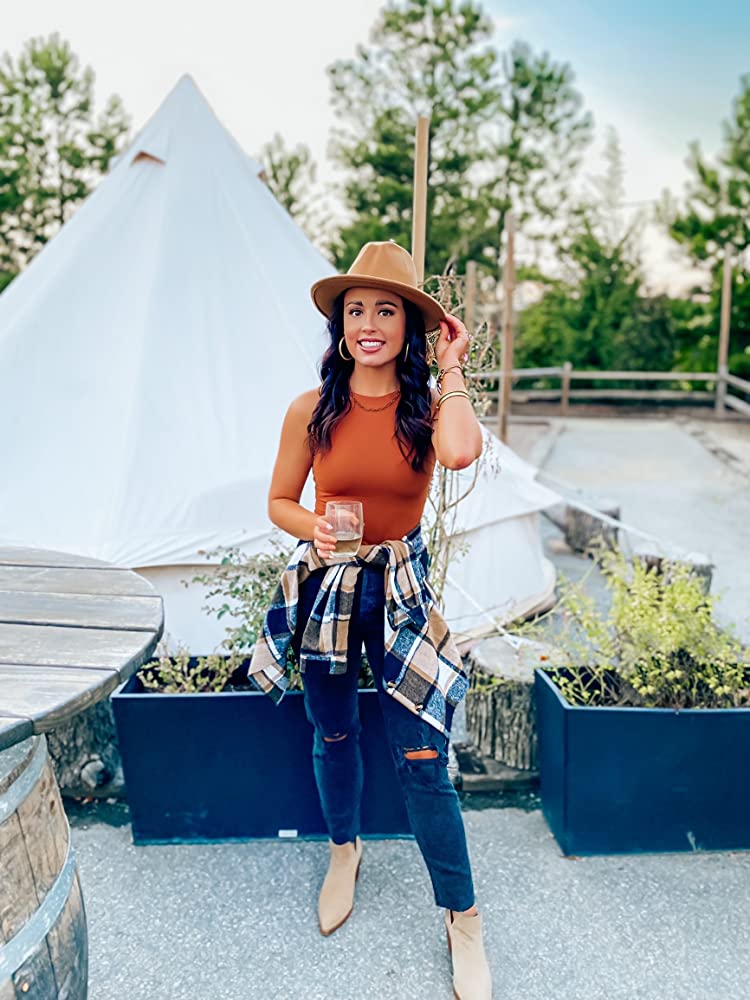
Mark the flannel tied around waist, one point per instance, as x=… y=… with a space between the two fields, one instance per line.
x=422 y=666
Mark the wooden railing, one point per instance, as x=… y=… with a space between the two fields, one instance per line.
x=740 y=405
x=718 y=393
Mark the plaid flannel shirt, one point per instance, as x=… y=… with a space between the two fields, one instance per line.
x=422 y=667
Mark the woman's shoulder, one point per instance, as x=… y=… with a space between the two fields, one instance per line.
x=302 y=406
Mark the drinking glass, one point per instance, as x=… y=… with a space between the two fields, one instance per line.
x=345 y=517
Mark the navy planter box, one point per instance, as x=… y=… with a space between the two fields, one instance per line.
x=232 y=765
x=631 y=780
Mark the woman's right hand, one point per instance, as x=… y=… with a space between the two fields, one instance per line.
x=324 y=539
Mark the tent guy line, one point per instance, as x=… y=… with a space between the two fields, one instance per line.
x=615 y=522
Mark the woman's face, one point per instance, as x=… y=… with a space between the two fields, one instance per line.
x=374 y=325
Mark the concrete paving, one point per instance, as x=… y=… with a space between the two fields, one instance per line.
x=238 y=921
x=673 y=483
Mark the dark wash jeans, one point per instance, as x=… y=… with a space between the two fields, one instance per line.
x=331 y=706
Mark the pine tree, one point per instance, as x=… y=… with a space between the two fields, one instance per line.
x=716 y=221
x=53 y=149
x=595 y=314
x=291 y=176
x=502 y=132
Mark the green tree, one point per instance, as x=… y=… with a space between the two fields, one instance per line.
x=594 y=315
x=291 y=176
x=714 y=221
x=53 y=149
x=502 y=132
x=540 y=136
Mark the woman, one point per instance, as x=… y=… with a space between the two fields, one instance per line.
x=372 y=432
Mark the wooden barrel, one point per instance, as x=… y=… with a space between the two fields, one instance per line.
x=43 y=938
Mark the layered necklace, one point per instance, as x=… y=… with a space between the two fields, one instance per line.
x=375 y=409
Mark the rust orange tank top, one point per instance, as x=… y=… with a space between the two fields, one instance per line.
x=365 y=463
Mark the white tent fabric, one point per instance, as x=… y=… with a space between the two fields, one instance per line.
x=147 y=357
x=149 y=352
x=504 y=573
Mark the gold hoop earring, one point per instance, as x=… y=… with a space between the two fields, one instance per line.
x=406 y=352
x=350 y=358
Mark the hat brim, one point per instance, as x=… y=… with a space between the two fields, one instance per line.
x=325 y=291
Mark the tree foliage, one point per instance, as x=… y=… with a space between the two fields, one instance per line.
x=595 y=315
x=503 y=132
x=53 y=148
x=291 y=175
x=715 y=221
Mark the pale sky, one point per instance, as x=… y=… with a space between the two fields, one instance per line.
x=661 y=74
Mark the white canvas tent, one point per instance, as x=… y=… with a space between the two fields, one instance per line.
x=147 y=357
x=503 y=573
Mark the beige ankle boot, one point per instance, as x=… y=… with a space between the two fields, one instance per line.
x=337 y=892
x=471 y=973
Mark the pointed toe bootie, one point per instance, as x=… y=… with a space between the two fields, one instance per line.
x=336 y=899
x=471 y=973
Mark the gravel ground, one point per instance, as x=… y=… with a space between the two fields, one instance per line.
x=238 y=921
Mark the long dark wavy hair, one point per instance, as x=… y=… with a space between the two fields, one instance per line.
x=413 y=425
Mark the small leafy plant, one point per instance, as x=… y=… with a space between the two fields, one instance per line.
x=658 y=645
x=241 y=586
x=448 y=489
x=244 y=586
x=181 y=673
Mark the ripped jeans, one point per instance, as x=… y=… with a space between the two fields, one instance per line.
x=420 y=751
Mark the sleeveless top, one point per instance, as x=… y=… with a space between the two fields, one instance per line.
x=365 y=463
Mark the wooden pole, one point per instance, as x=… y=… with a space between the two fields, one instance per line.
x=726 y=308
x=419 y=207
x=470 y=295
x=506 y=367
x=565 y=400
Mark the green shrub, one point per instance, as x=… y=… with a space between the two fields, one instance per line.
x=242 y=586
x=657 y=645
x=181 y=673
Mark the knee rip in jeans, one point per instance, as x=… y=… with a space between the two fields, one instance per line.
x=420 y=753
x=335 y=739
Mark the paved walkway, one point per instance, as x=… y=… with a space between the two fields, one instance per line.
x=670 y=482
x=237 y=921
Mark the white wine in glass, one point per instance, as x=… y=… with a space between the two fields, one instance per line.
x=345 y=517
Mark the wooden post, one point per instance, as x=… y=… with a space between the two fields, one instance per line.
x=470 y=295
x=500 y=704
x=506 y=366
x=726 y=307
x=419 y=207
x=565 y=395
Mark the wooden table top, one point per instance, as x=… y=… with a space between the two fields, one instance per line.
x=71 y=630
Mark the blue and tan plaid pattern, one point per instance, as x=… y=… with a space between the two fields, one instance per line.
x=422 y=668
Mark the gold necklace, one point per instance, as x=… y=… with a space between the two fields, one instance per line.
x=376 y=409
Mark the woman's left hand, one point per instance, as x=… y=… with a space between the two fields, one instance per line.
x=452 y=346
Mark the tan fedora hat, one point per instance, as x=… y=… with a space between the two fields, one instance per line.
x=380 y=265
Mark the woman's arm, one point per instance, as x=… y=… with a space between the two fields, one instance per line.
x=293 y=464
x=456 y=435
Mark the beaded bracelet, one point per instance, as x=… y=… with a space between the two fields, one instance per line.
x=444 y=371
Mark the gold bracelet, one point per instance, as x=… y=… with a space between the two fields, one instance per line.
x=453 y=392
